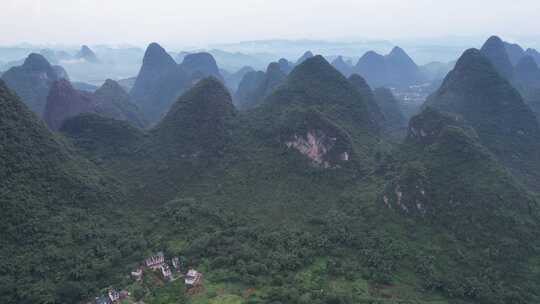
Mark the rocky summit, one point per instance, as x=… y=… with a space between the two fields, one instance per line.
x=32 y=81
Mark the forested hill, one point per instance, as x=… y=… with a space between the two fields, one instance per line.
x=302 y=193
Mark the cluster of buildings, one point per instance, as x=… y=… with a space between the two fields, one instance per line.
x=168 y=271
x=112 y=296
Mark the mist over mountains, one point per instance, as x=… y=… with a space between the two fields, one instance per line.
x=283 y=171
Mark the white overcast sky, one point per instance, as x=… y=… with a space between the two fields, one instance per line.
x=200 y=22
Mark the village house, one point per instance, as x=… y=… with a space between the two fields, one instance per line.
x=114 y=295
x=193 y=278
x=154 y=262
x=103 y=300
x=176 y=264
x=137 y=274
x=166 y=271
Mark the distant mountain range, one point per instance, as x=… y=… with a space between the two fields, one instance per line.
x=306 y=185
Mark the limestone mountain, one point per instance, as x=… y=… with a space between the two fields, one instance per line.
x=64 y=101
x=342 y=66
x=247 y=88
x=317 y=93
x=316 y=83
x=159 y=82
x=304 y=57
x=110 y=100
x=403 y=70
x=307 y=168
x=233 y=79
x=435 y=71
x=198 y=122
x=32 y=81
x=489 y=103
x=515 y=52
x=366 y=92
x=45 y=189
x=494 y=49
x=534 y=54
x=451 y=185
x=527 y=72
x=393 y=69
x=389 y=106
x=87 y=54
x=201 y=65
x=273 y=77
x=285 y=65
x=373 y=67
x=113 y=101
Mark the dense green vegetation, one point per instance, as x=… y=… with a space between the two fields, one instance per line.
x=496 y=110
x=436 y=219
x=61 y=233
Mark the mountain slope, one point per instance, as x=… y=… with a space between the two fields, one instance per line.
x=51 y=199
x=452 y=186
x=494 y=49
x=114 y=102
x=247 y=87
x=197 y=122
x=527 y=72
x=257 y=87
x=159 y=82
x=342 y=66
x=87 y=54
x=64 y=101
x=515 y=52
x=489 y=103
x=304 y=57
x=32 y=81
x=366 y=92
x=393 y=69
x=110 y=100
x=201 y=65
x=394 y=118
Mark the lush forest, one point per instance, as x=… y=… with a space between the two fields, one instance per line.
x=305 y=198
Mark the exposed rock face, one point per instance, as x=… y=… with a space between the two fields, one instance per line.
x=317 y=138
x=342 y=66
x=87 y=54
x=304 y=57
x=527 y=72
x=201 y=65
x=435 y=71
x=494 y=49
x=159 y=83
x=316 y=145
x=489 y=103
x=32 y=81
x=64 y=102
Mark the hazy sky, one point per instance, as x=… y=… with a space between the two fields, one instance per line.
x=200 y=22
